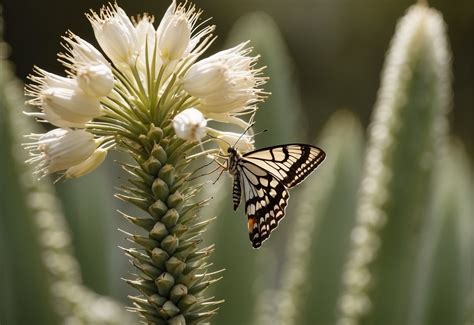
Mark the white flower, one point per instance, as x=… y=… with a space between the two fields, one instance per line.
x=81 y=51
x=92 y=71
x=88 y=165
x=174 y=31
x=225 y=82
x=61 y=149
x=116 y=34
x=95 y=79
x=190 y=125
x=62 y=101
x=243 y=143
x=147 y=38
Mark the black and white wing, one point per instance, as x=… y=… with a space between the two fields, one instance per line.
x=265 y=176
x=290 y=163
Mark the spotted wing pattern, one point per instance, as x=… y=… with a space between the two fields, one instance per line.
x=265 y=176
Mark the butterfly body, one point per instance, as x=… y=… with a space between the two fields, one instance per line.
x=264 y=177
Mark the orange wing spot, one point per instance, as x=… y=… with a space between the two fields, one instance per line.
x=250 y=223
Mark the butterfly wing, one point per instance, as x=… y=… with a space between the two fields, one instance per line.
x=265 y=201
x=290 y=163
x=265 y=176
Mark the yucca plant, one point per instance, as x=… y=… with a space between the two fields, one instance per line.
x=151 y=98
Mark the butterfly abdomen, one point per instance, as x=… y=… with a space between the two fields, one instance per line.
x=236 y=193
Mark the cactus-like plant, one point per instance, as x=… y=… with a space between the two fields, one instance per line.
x=405 y=137
x=152 y=99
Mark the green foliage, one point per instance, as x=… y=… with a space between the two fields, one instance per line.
x=311 y=281
x=406 y=136
x=40 y=274
x=445 y=262
x=24 y=280
x=281 y=113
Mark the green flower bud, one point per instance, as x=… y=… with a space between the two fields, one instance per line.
x=170 y=218
x=175 y=200
x=151 y=165
x=175 y=266
x=155 y=133
x=159 y=153
x=158 y=231
x=169 y=309
x=145 y=141
x=169 y=244
x=177 y=320
x=167 y=173
x=178 y=292
x=158 y=209
x=164 y=283
x=187 y=301
x=156 y=300
x=159 y=257
x=160 y=189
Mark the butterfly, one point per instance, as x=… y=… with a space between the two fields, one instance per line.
x=264 y=176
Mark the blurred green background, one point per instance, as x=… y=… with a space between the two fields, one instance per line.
x=322 y=57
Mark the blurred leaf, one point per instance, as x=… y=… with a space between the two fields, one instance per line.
x=90 y=211
x=25 y=284
x=445 y=263
x=325 y=211
x=281 y=113
x=41 y=275
x=405 y=137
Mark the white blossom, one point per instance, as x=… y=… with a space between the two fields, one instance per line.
x=115 y=34
x=225 y=83
x=79 y=50
x=61 y=100
x=174 y=31
x=60 y=149
x=95 y=79
x=190 y=125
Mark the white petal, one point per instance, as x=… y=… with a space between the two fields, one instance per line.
x=190 y=125
x=95 y=79
x=88 y=165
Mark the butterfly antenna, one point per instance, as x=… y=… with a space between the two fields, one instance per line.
x=243 y=133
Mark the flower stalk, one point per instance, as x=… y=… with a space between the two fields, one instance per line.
x=139 y=103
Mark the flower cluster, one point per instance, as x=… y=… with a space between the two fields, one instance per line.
x=151 y=96
x=149 y=68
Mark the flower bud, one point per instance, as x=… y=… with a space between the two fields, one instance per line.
x=88 y=165
x=169 y=309
x=225 y=82
x=61 y=149
x=95 y=79
x=82 y=51
x=158 y=231
x=190 y=125
x=72 y=106
x=164 y=283
x=116 y=34
x=175 y=37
